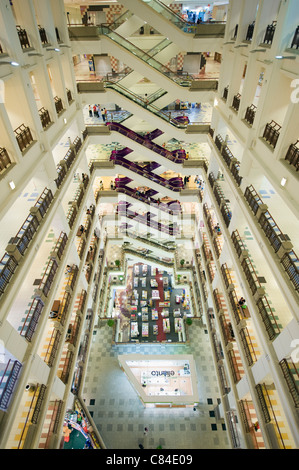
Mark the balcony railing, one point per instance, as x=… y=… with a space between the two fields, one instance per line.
x=235 y=31
x=238 y=243
x=226 y=213
x=235 y=169
x=43 y=35
x=23 y=136
x=23 y=37
x=60 y=245
x=249 y=33
x=219 y=142
x=8 y=265
x=58 y=104
x=69 y=157
x=225 y=93
x=250 y=114
x=69 y=95
x=71 y=216
x=226 y=154
x=271 y=133
x=44 y=201
x=61 y=173
x=48 y=277
x=291 y=375
x=269 y=413
x=268 y=318
x=5 y=161
x=295 y=41
x=292 y=155
x=57 y=35
x=25 y=234
x=250 y=275
x=236 y=102
x=52 y=347
x=8 y=380
x=226 y=276
x=67 y=365
x=233 y=429
x=247 y=346
x=253 y=199
x=234 y=365
x=290 y=263
x=270 y=30
x=271 y=230
x=236 y=309
x=44 y=117
x=32 y=318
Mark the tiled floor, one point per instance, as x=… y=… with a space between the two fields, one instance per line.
x=119 y=414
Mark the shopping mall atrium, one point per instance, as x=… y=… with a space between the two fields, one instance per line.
x=149 y=280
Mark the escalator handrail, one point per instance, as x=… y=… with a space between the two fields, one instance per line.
x=143 y=54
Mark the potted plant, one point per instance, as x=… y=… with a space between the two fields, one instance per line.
x=110 y=322
x=182 y=262
x=117 y=263
x=189 y=321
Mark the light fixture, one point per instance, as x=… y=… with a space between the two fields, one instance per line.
x=283 y=181
x=12 y=185
x=241 y=45
x=64 y=120
x=65 y=45
x=258 y=50
x=215 y=102
x=53 y=49
x=228 y=42
x=279 y=57
x=12 y=62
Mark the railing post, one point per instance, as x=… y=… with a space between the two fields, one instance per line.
x=12 y=250
x=35 y=211
x=286 y=247
x=261 y=210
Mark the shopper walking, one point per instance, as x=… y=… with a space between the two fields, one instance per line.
x=103 y=114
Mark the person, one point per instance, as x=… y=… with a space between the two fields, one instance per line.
x=111 y=185
x=95 y=110
x=145 y=432
x=81 y=229
x=217 y=228
x=187 y=155
x=90 y=111
x=141 y=446
x=68 y=269
x=88 y=212
x=242 y=303
x=103 y=114
x=101 y=185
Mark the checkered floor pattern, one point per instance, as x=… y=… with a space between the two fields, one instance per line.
x=120 y=416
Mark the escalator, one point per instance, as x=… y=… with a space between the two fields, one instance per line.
x=147 y=171
x=123 y=209
x=189 y=36
x=172 y=207
x=146 y=109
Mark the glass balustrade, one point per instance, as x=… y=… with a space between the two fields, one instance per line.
x=106 y=30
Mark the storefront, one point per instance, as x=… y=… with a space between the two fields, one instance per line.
x=162 y=381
